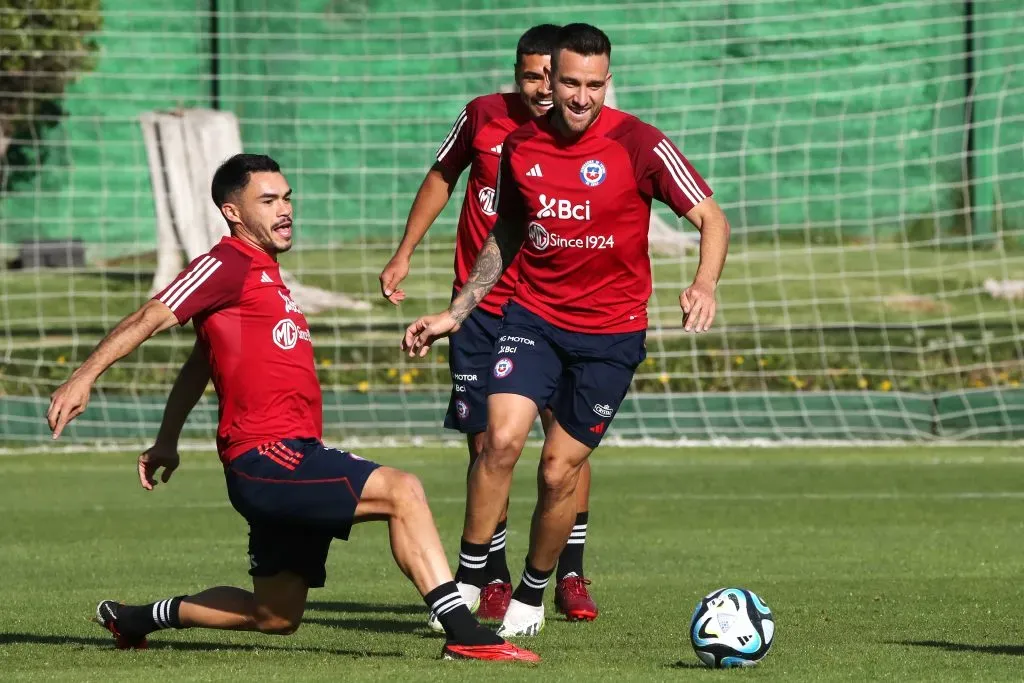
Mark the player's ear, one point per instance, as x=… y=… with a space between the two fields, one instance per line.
x=230 y=212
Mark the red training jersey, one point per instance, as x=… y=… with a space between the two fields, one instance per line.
x=476 y=140
x=257 y=342
x=586 y=207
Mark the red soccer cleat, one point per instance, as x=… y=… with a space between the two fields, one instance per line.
x=573 y=600
x=505 y=652
x=106 y=616
x=494 y=600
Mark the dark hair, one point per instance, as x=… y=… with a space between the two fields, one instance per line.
x=538 y=40
x=583 y=39
x=233 y=174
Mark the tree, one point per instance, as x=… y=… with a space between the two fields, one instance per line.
x=44 y=46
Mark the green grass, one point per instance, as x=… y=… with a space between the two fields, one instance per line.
x=895 y=564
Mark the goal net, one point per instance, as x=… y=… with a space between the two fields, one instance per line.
x=867 y=153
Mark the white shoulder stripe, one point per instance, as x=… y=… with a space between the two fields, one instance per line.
x=177 y=286
x=199 y=281
x=673 y=154
x=682 y=176
x=453 y=135
x=191 y=282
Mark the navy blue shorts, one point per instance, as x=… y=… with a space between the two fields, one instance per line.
x=470 y=351
x=582 y=377
x=297 y=495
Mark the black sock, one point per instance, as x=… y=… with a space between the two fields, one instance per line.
x=531 y=587
x=497 y=564
x=472 y=563
x=142 y=620
x=571 y=559
x=459 y=625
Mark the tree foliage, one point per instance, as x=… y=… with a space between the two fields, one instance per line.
x=44 y=46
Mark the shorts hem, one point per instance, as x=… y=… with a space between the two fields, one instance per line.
x=585 y=439
x=466 y=429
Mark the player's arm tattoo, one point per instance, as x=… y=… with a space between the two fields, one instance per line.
x=499 y=249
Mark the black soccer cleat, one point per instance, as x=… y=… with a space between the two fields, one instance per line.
x=106 y=616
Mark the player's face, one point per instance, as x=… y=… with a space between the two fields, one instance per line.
x=578 y=87
x=264 y=210
x=532 y=80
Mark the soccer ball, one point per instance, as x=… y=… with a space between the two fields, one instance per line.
x=731 y=627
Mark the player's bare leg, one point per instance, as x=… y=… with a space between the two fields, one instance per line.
x=277 y=603
x=489 y=482
x=274 y=606
x=562 y=459
x=572 y=598
x=398 y=497
x=497 y=592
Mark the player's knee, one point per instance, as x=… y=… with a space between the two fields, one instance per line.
x=277 y=625
x=558 y=475
x=407 y=491
x=502 y=447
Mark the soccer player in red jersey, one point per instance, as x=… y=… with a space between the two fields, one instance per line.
x=296 y=493
x=573 y=200
x=475 y=141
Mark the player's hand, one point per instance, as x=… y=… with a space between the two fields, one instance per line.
x=425 y=331
x=698 y=304
x=394 y=272
x=153 y=459
x=67 y=403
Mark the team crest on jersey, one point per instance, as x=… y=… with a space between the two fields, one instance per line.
x=486 y=197
x=593 y=173
x=462 y=409
x=503 y=368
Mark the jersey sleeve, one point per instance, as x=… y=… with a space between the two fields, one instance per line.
x=508 y=199
x=456 y=150
x=206 y=285
x=668 y=176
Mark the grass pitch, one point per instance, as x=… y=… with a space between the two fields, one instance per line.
x=884 y=563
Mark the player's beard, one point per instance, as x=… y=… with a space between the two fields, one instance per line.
x=572 y=124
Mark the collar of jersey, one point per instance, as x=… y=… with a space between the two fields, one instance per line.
x=246 y=248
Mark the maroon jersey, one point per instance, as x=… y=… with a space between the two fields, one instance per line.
x=476 y=139
x=586 y=208
x=257 y=342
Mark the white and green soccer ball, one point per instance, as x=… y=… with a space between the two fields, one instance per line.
x=731 y=627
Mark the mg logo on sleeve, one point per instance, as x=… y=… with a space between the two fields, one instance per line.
x=486 y=197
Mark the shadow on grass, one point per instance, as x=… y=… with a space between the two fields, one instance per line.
x=107 y=643
x=685 y=665
x=1015 y=650
x=370 y=624
x=366 y=608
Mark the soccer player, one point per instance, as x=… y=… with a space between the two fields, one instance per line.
x=573 y=201
x=296 y=493
x=476 y=141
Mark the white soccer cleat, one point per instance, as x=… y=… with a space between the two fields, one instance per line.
x=470 y=595
x=522 y=620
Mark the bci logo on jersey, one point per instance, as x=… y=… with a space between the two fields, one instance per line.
x=550 y=207
x=486 y=197
x=593 y=173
